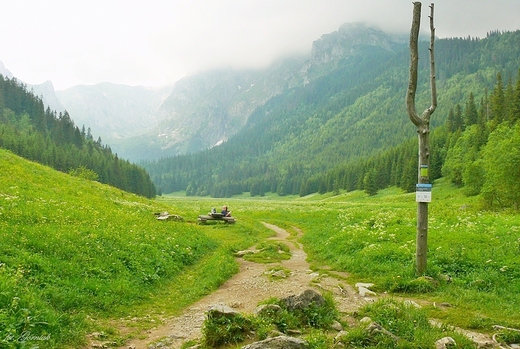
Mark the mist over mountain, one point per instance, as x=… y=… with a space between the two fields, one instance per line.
x=48 y=95
x=3 y=71
x=206 y=109
x=114 y=112
x=331 y=48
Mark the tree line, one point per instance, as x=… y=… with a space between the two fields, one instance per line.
x=483 y=145
x=50 y=138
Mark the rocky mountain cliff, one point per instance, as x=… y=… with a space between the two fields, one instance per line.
x=47 y=93
x=331 y=49
x=3 y=71
x=206 y=109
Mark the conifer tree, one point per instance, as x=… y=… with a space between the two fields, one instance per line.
x=369 y=182
x=514 y=111
x=496 y=103
x=483 y=110
x=470 y=111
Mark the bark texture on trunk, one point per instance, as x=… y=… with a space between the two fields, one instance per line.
x=422 y=123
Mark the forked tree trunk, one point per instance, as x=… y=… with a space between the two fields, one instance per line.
x=422 y=123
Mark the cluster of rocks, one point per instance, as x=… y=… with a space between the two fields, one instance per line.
x=164 y=216
x=364 y=289
x=374 y=329
x=285 y=342
x=276 y=339
x=279 y=340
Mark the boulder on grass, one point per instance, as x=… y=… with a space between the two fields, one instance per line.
x=304 y=300
x=219 y=311
x=444 y=343
x=280 y=342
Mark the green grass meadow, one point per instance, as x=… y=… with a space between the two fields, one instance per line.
x=77 y=256
x=73 y=250
x=473 y=255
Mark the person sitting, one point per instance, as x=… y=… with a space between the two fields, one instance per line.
x=225 y=211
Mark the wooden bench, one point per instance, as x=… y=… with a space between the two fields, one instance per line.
x=203 y=218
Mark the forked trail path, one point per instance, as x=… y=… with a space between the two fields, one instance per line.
x=246 y=289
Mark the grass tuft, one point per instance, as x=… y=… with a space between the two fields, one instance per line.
x=269 y=252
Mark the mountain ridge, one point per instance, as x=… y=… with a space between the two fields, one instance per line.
x=4 y=71
x=206 y=109
x=233 y=106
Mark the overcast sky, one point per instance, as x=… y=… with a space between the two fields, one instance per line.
x=157 y=42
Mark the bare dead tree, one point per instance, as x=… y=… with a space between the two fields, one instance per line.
x=422 y=123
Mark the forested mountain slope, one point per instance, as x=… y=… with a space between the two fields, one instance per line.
x=351 y=112
x=35 y=133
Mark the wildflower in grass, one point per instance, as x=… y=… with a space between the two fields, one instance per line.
x=406 y=248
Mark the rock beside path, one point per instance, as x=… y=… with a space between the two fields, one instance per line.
x=303 y=300
x=280 y=342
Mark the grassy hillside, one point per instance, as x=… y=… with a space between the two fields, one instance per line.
x=72 y=248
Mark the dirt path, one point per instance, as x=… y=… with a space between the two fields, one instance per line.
x=246 y=289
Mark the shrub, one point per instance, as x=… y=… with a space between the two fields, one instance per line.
x=226 y=329
x=507 y=336
x=85 y=173
x=312 y=316
x=422 y=284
